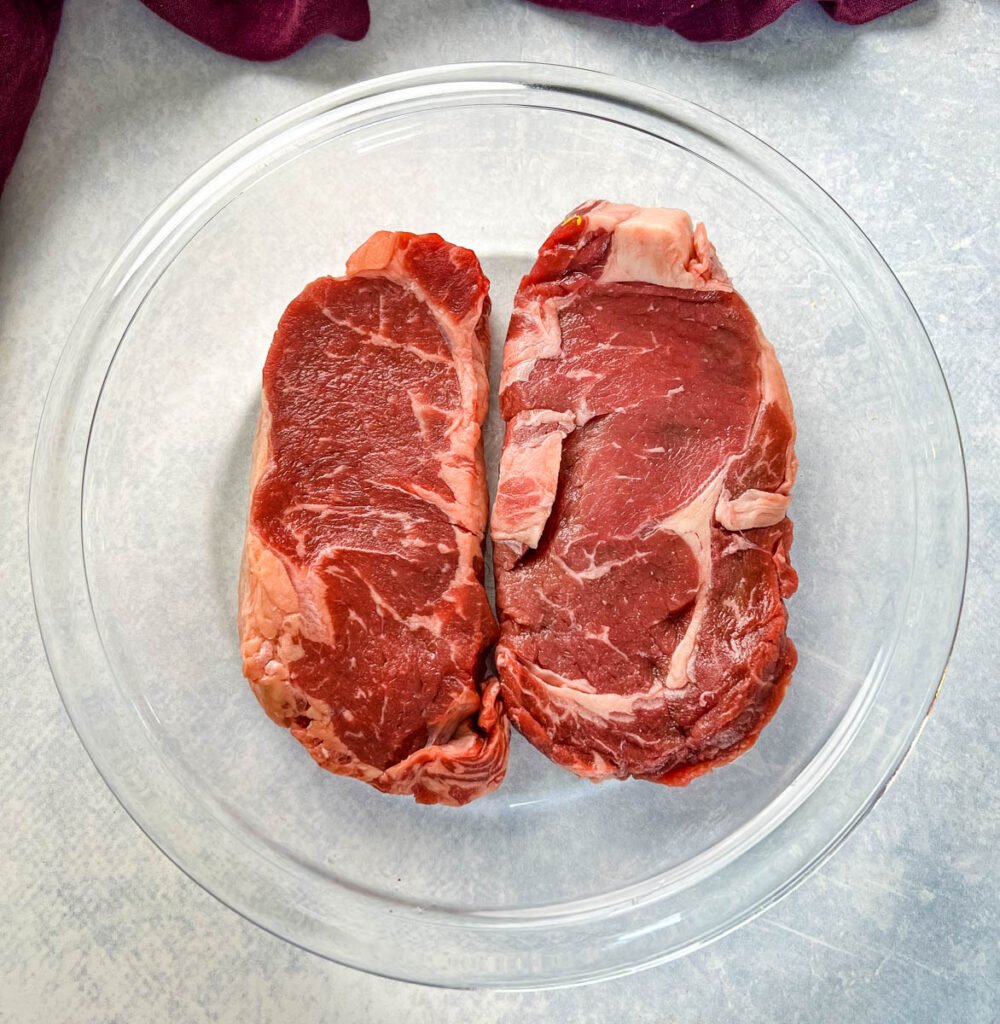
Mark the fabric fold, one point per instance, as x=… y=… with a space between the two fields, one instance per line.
x=719 y=21
x=27 y=33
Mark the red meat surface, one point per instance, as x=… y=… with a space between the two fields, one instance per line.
x=640 y=536
x=364 y=624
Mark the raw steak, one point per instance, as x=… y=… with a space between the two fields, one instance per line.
x=639 y=531
x=363 y=618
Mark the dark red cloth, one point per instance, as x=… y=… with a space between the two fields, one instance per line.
x=272 y=29
x=263 y=29
x=27 y=31
x=254 y=29
x=716 y=21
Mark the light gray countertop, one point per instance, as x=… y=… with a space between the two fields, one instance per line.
x=898 y=121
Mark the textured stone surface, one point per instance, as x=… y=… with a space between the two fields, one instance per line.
x=896 y=121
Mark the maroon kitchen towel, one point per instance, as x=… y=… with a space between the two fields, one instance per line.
x=254 y=29
x=272 y=29
x=263 y=29
x=27 y=32
x=716 y=21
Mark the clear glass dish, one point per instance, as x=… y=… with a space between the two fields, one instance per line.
x=139 y=495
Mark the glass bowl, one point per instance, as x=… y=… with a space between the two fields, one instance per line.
x=139 y=493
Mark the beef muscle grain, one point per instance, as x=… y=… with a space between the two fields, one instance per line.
x=363 y=619
x=640 y=536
